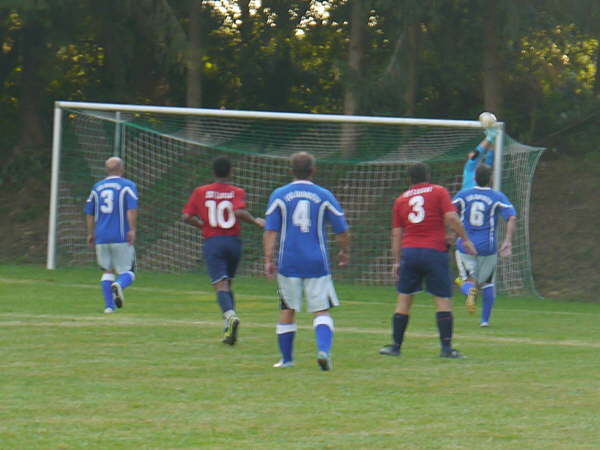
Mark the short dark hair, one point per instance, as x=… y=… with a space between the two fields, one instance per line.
x=418 y=173
x=483 y=175
x=302 y=165
x=221 y=167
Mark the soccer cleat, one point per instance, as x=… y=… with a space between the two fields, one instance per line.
x=390 y=350
x=324 y=361
x=108 y=311
x=470 y=301
x=458 y=281
x=118 y=294
x=283 y=365
x=230 y=335
x=451 y=353
x=484 y=324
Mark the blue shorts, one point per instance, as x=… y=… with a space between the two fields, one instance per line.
x=432 y=265
x=222 y=256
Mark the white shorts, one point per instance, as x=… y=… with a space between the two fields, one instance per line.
x=119 y=257
x=480 y=268
x=320 y=293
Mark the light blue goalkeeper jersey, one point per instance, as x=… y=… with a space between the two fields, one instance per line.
x=471 y=165
x=480 y=209
x=300 y=211
x=109 y=202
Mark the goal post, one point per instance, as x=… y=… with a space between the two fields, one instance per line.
x=168 y=151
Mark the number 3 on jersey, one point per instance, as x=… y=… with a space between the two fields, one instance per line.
x=301 y=216
x=220 y=215
x=418 y=211
x=108 y=201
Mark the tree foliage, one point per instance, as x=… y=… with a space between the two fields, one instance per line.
x=536 y=63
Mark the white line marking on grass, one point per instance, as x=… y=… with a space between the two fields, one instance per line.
x=136 y=288
x=75 y=321
x=391 y=303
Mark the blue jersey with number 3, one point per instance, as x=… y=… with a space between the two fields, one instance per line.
x=109 y=202
x=479 y=209
x=299 y=211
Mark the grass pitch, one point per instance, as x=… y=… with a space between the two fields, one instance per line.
x=155 y=374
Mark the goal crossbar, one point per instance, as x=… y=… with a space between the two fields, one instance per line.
x=270 y=115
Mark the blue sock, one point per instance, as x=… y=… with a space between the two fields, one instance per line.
x=466 y=287
x=323 y=326
x=324 y=338
x=285 y=338
x=225 y=301
x=106 y=283
x=488 y=298
x=125 y=279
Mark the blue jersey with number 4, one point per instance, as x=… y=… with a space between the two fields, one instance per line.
x=479 y=209
x=109 y=202
x=300 y=211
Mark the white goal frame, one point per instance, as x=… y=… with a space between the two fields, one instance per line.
x=59 y=107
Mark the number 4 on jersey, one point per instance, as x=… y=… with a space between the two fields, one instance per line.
x=301 y=216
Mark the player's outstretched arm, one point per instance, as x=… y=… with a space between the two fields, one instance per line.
x=506 y=247
x=244 y=215
x=452 y=221
x=194 y=221
x=343 y=242
x=490 y=135
x=91 y=234
x=269 y=239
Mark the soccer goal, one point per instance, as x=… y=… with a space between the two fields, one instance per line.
x=362 y=160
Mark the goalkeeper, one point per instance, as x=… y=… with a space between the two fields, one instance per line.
x=483 y=152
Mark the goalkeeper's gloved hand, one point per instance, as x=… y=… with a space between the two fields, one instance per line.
x=490 y=134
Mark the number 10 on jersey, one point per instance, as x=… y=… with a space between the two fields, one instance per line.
x=220 y=215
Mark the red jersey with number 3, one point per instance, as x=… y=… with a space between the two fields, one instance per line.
x=420 y=213
x=215 y=204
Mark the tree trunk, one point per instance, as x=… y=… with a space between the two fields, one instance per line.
x=194 y=57
x=492 y=95
x=597 y=76
x=412 y=60
x=356 y=53
x=30 y=107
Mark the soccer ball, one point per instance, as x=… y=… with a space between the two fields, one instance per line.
x=487 y=119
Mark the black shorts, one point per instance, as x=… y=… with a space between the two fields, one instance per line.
x=418 y=264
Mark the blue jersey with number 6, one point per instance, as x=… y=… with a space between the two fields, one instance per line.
x=109 y=202
x=479 y=209
x=300 y=211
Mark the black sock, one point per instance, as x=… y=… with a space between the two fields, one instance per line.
x=399 y=324
x=445 y=324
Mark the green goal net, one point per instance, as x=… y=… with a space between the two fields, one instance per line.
x=363 y=161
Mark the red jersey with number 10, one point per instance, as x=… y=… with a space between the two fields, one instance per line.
x=420 y=213
x=215 y=204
